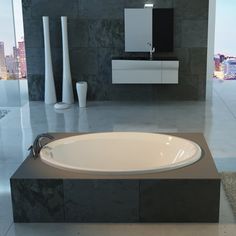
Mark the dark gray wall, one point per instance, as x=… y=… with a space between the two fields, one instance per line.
x=96 y=33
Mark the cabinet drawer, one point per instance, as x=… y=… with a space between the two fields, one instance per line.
x=136 y=77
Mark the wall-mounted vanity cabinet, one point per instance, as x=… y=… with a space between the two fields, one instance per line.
x=147 y=25
x=145 y=71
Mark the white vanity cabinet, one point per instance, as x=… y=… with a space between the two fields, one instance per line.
x=170 y=72
x=144 y=72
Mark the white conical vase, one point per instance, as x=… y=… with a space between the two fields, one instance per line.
x=49 y=92
x=81 y=88
x=67 y=90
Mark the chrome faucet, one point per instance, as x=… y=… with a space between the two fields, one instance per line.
x=37 y=145
x=151 y=50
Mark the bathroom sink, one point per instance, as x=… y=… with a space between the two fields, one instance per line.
x=146 y=58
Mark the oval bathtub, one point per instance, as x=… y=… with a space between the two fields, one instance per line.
x=120 y=153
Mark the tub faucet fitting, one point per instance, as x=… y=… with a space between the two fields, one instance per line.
x=37 y=145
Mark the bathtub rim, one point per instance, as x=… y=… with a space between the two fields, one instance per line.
x=94 y=171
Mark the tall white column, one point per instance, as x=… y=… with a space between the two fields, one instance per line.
x=50 y=92
x=67 y=90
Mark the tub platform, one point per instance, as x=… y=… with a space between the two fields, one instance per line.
x=41 y=193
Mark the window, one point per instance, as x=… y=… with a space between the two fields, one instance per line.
x=12 y=45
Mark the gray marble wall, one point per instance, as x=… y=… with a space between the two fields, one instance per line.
x=96 y=33
x=115 y=201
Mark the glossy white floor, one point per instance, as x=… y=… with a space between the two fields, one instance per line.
x=216 y=118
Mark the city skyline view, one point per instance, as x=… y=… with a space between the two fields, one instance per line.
x=12 y=52
x=225 y=47
x=6 y=23
x=12 y=46
x=9 y=37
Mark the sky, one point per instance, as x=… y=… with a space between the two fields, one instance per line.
x=7 y=34
x=18 y=19
x=225 y=31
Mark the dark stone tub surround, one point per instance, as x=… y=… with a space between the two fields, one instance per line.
x=96 y=33
x=41 y=193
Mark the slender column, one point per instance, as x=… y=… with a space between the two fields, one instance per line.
x=49 y=92
x=67 y=91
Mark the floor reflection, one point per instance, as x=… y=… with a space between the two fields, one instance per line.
x=215 y=118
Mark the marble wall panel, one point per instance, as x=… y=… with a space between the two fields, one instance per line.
x=96 y=34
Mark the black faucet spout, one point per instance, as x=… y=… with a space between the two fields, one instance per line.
x=36 y=147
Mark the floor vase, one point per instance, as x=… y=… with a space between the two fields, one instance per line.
x=81 y=88
x=67 y=90
x=49 y=92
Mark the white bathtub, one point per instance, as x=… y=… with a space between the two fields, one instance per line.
x=120 y=153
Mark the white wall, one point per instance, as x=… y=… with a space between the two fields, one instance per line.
x=13 y=93
x=211 y=38
x=210 y=48
x=9 y=93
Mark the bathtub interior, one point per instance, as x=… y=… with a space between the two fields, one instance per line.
x=121 y=152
